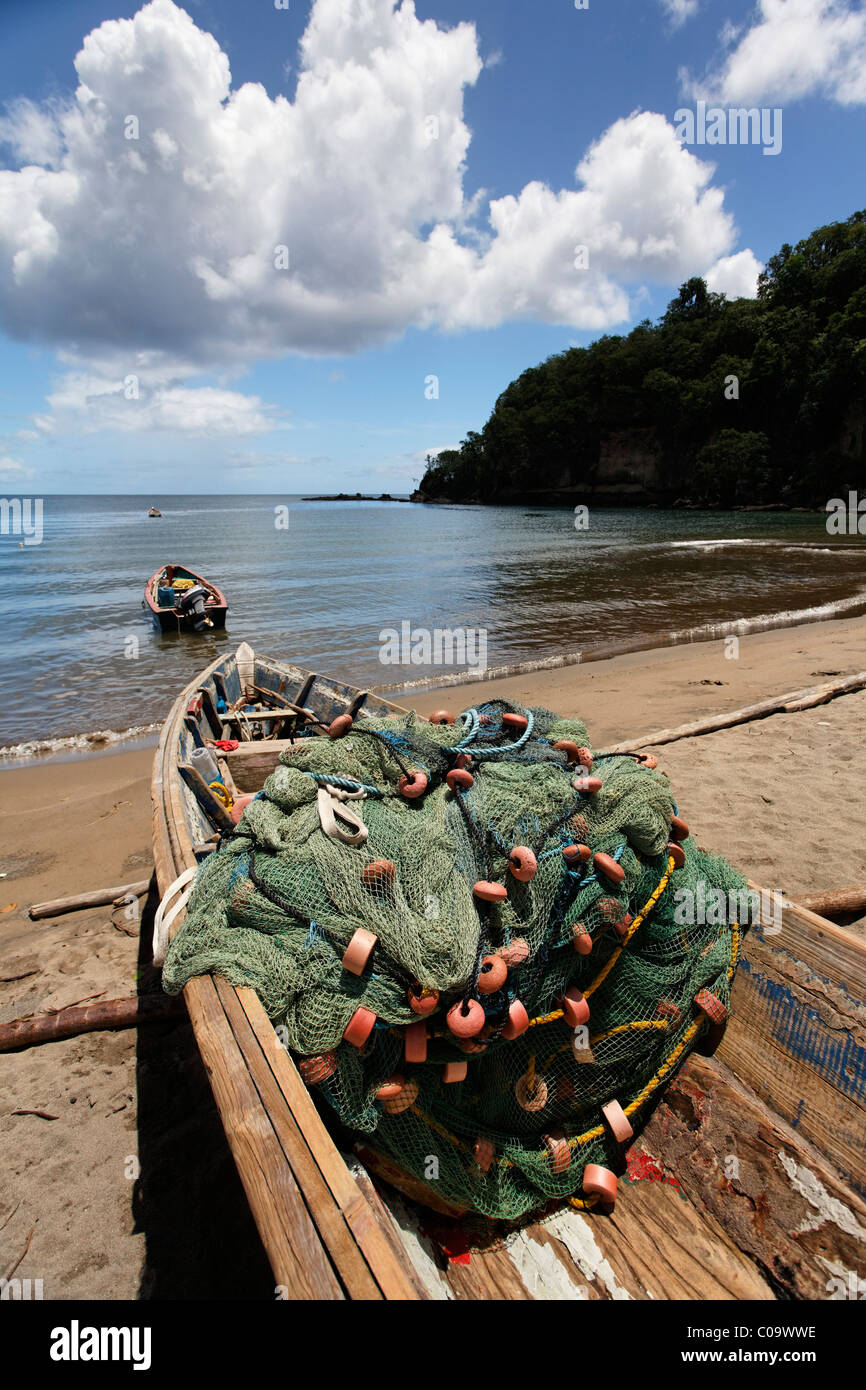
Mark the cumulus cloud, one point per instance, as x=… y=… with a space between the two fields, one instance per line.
x=793 y=49
x=736 y=276
x=13 y=470
x=85 y=402
x=167 y=214
x=678 y=11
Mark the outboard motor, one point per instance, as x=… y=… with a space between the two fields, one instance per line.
x=192 y=605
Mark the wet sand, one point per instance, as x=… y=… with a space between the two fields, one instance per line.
x=130 y=1190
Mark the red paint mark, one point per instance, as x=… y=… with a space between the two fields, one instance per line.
x=642 y=1167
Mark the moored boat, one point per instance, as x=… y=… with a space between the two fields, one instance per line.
x=725 y=1188
x=154 y=511
x=180 y=600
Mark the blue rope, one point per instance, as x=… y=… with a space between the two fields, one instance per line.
x=346 y=784
x=466 y=745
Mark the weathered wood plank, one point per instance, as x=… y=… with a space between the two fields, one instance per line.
x=324 y=1211
x=797 y=1036
x=251 y=764
x=288 y=1232
x=773 y=1192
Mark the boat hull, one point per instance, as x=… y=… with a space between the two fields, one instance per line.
x=707 y=1205
x=167 y=620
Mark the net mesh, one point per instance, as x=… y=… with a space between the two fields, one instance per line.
x=277 y=906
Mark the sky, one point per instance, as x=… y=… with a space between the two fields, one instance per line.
x=281 y=246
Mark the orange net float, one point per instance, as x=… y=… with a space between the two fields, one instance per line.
x=360 y=1026
x=492 y=975
x=378 y=874
x=523 y=864
x=518 y=722
x=441 y=716
x=490 y=892
x=580 y=826
x=459 y=780
x=608 y=866
x=575 y=1009
x=466 y=1018
x=422 y=1001
x=531 y=1093
x=571 y=750
x=339 y=727
x=590 y=785
x=585 y=757
x=666 y=1008
x=679 y=829
x=559 y=1152
x=714 y=1010
x=576 y=854
x=622 y=926
x=463 y=760
x=515 y=953
x=412 y=784
x=600 y=1182
x=518 y=1021
x=711 y=1005
x=415 y=1042
x=357 y=954
x=404 y=1100
x=617 y=1121
x=452 y=1072
x=676 y=853
x=391 y=1088
x=483 y=1152
x=581 y=939
x=648 y=760
x=316 y=1069
x=239 y=805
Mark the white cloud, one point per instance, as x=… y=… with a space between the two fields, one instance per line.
x=736 y=276
x=678 y=11
x=794 y=49
x=13 y=470
x=165 y=246
x=31 y=133
x=83 y=402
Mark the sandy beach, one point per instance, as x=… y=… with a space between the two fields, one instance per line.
x=124 y=1184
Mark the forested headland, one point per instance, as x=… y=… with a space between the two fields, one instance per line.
x=744 y=402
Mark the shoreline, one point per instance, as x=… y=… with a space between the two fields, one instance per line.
x=517 y=680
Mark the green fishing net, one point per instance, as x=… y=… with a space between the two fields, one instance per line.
x=629 y=941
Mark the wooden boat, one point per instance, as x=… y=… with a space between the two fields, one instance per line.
x=747 y=1183
x=196 y=604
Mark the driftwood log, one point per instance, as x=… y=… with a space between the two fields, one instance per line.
x=92 y=1018
x=79 y=901
x=781 y=704
x=837 y=902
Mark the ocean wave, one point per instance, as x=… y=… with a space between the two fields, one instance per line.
x=723 y=543
x=70 y=745
x=704 y=632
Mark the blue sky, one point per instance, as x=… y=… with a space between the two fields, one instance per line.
x=150 y=342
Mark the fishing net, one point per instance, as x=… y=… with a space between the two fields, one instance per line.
x=618 y=939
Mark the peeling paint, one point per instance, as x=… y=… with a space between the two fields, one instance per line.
x=542 y=1273
x=576 y=1235
x=804 y=1181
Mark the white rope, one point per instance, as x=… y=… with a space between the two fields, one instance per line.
x=161 y=923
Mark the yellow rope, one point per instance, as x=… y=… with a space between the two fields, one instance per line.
x=579 y=1203
x=641 y=917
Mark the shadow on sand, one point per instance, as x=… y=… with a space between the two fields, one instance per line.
x=201 y=1240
